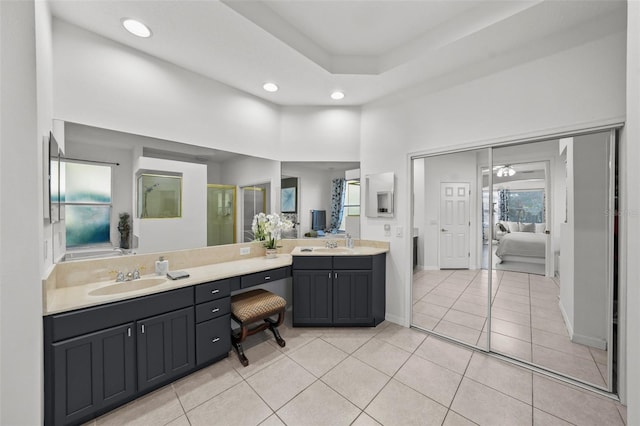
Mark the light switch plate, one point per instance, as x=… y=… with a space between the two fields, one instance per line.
x=399 y=231
x=245 y=250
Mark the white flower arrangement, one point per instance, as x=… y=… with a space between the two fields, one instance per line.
x=268 y=228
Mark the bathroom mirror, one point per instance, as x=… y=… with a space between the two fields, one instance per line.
x=198 y=217
x=379 y=196
x=315 y=182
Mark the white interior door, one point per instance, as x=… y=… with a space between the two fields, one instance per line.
x=454 y=225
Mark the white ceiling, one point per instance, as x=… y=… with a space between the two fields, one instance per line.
x=368 y=49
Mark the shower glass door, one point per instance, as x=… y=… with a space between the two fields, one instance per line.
x=221 y=214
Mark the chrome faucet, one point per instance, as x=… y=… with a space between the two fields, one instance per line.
x=129 y=276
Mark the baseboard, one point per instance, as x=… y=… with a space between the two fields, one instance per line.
x=430 y=268
x=565 y=317
x=593 y=342
x=395 y=319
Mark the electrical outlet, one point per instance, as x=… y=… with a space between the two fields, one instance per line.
x=399 y=231
x=245 y=250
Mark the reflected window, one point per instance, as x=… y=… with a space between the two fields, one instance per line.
x=351 y=201
x=525 y=206
x=85 y=194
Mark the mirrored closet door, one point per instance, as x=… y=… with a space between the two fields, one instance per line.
x=540 y=242
x=451 y=280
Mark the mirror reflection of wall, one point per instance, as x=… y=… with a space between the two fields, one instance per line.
x=450 y=285
x=254 y=201
x=380 y=195
x=315 y=185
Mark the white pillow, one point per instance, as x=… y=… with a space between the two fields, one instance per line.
x=513 y=226
x=527 y=227
x=540 y=228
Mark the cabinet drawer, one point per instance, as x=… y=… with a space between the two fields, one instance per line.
x=213 y=290
x=213 y=309
x=312 y=262
x=76 y=323
x=352 y=262
x=213 y=339
x=264 y=277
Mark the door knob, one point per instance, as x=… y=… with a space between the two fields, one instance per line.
x=444 y=230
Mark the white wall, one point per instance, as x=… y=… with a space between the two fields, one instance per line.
x=570 y=90
x=249 y=171
x=320 y=134
x=419 y=213
x=21 y=217
x=630 y=221
x=144 y=95
x=188 y=231
x=591 y=224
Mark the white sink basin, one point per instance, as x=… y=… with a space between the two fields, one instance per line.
x=333 y=250
x=127 y=286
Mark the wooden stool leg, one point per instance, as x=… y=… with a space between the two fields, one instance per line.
x=273 y=326
x=237 y=345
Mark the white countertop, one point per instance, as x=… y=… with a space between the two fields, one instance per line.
x=337 y=251
x=70 y=298
x=63 y=299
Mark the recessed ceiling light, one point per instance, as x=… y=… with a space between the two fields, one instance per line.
x=270 y=87
x=136 y=27
x=337 y=95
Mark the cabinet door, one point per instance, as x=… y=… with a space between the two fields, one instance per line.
x=166 y=347
x=92 y=372
x=312 y=301
x=353 y=298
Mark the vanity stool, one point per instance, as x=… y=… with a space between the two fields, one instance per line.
x=253 y=306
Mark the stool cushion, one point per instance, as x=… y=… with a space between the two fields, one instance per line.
x=255 y=305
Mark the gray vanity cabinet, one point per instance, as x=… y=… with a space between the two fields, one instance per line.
x=166 y=347
x=92 y=362
x=353 y=298
x=93 y=371
x=338 y=290
x=312 y=297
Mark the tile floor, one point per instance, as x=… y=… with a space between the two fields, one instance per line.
x=387 y=375
x=526 y=323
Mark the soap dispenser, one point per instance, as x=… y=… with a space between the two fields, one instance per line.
x=162 y=266
x=349 y=241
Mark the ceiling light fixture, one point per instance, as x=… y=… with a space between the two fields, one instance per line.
x=270 y=87
x=337 y=95
x=505 y=171
x=136 y=27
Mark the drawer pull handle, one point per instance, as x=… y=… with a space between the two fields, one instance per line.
x=213 y=311
x=215 y=340
x=267 y=277
x=215 y=291
x=142 y=328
